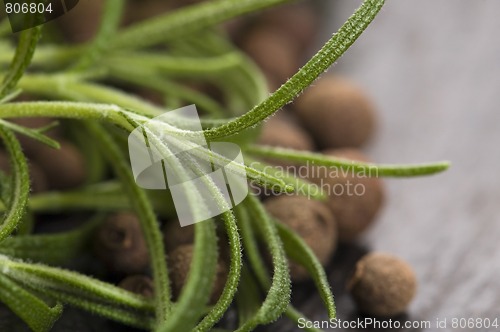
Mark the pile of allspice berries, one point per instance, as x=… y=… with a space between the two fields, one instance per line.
x=334 y=117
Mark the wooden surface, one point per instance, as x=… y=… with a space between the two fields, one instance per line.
x=433 y=68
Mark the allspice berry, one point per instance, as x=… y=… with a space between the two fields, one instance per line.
x=355 y=198
x=273 y=52
x=279 y=131
x=81 y=23
x=298 y=21
x=382 y=285
x=119 y=243
x=336 y=113
x=312 y=221
x=139 y=284
x=174 y=235
x=179 y=262
x=65 y=167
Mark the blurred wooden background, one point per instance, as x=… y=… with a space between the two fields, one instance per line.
x=433 y=68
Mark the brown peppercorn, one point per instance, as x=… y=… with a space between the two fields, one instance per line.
x=139 y=284
x=336 y=113
x=382 y=285
x=281 y=132
x=312 y=221
x=355 y=199
x=174 y=235
x=64 y=167
x=82 y=22
x=298 y=21
x=179 y=262
x=273 y=52
x=120 y=245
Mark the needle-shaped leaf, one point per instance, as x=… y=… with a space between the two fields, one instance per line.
x=22 y=58
x=36 y=134
x=278 y=296
x=20 y=184
x=310 y=158
x=297 y=250
x=55 y=249
x=37 y=314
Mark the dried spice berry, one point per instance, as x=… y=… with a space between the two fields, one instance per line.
x=120 y=245
x=179 y=262
x=355 y=198
x=282 y=132
x=297 y=21
x=139 y=284
x=274 y=53
x=174 y=235
x=82 y=22
x=382 y=285
x=312 y=221
x=336 y=113
x=64 y=167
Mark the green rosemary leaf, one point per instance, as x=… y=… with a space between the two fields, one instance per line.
x=110 y=20
x=187 y=20
x=30 y=308
x=175 y=66
x=4 y=27
x=10 y=96
x=233 y=277
x=142 y=206
x=62 y=109
x=298 y=251
x=248 y=298
x=196 y=292
x=316 y=66
x=251 y=248
x=5 y=187
x=118 y=313
x=40 y=277
x=278 y=297
x=32 y=133
x=300 y=186
x=358 y=167
x=24 y=52
x=98 y=197
x=65 y=87
x=258 y=265
x=167 y=87
x=55 y=249
x=94 y=162
x=198 y=287
x=20 y=184
x=26 y=226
